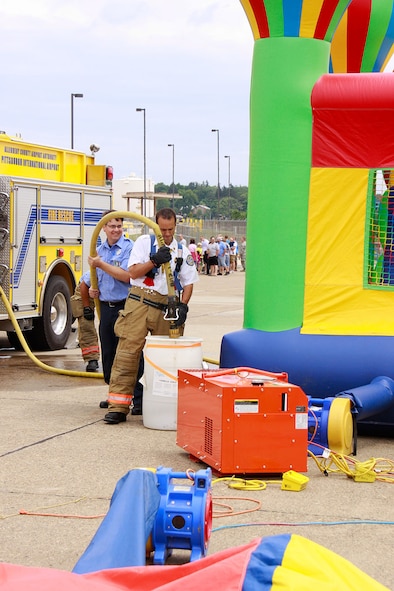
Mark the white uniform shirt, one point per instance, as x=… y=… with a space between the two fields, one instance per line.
x=141 y=253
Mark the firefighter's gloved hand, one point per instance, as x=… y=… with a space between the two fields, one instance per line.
x=88 y=313
x=163 y=255
x=183 y=309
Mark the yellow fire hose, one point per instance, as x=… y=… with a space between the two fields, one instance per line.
x=173 y=331
x=22 y=340
x=172 y=298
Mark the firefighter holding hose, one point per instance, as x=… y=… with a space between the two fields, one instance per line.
x=147 y=308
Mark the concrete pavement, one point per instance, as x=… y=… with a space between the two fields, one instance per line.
x=57 y=456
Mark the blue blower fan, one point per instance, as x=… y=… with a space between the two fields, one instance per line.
x=184 y=517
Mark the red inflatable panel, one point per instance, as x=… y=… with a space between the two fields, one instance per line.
x=353 y=115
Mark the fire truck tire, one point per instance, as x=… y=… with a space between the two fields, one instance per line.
x=52 y=329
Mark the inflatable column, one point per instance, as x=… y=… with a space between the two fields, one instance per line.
x=291 y=51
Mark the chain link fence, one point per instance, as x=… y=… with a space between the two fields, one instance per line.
x=191 y=228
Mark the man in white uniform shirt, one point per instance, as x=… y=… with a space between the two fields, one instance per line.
x=145 y=307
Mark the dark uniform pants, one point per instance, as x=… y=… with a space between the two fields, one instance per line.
x=109 y=312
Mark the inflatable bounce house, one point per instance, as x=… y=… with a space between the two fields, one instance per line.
x=274 y=563
x=115 y=559
x=319 y=300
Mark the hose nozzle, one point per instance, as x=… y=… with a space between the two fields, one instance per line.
x=172 y=315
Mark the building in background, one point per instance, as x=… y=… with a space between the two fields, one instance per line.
x=129 y=195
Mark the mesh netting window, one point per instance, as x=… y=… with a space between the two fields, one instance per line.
x=380 y=229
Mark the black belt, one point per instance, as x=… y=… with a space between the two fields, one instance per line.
x=113 y=304
x=144 y=300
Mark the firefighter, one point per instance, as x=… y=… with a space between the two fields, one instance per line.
x=83 y=309
x=145 y=307
x=113 y=281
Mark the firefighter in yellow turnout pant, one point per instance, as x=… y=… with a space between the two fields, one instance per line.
x=145 y=307
x=83 y=309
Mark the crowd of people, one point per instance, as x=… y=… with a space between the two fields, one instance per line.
x=220 y=255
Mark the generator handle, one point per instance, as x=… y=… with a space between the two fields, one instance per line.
x=235 y=370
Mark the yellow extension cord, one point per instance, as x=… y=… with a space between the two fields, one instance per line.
x=370 y=470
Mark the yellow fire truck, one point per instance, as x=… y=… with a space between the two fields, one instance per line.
x=50 y=202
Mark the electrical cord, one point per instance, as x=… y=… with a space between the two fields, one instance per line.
x=240 y=484
x=230 y=511
x=302 y=524
x=330 y=462
x=38 y=511
x=381 y=469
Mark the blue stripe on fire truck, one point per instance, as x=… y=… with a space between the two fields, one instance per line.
x=91 y=218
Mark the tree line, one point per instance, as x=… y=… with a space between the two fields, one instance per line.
x=200 y=200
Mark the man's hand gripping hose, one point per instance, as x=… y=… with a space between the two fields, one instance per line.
x=176 y=311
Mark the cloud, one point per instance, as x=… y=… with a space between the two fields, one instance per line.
x=187 y=62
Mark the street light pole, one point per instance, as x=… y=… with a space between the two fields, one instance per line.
x=73 y=95
x=217 y=131
x=144 y=199
x=229 y=190
x=173 y=173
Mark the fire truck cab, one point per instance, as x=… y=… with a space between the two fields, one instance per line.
x=50 y=202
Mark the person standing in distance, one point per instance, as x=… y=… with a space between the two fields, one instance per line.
x=182 y=240
x=204 y=246
x=145 y=307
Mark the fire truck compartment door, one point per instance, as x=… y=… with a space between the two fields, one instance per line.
x=23 y=280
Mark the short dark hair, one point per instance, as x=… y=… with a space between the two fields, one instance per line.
x=110 y=211
x=167 y=213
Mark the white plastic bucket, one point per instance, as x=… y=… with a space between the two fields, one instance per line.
x=163 y=357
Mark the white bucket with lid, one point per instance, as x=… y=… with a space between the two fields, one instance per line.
x=163 y=357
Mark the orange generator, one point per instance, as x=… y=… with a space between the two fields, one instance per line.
x=242 y=420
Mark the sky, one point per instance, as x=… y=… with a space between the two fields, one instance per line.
x=186 y=62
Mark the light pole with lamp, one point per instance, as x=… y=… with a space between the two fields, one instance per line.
x=73 y=95
x=229 y=189
x=173 y=173
x=217 y=131
x=143 y=212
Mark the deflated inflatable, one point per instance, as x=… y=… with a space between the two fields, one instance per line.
x=275 y=563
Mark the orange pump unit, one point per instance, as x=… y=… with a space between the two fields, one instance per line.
x=243 y=420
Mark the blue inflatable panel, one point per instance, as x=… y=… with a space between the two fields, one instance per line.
x=322 y=365
x=373 y=398
x=121 y=538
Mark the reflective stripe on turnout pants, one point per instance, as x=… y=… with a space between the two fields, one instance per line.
x=133 y=325
x=88 y=340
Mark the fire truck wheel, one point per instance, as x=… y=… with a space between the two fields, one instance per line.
x=52 y=329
